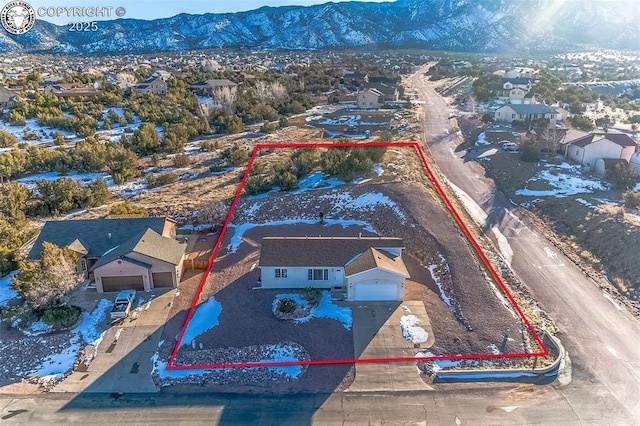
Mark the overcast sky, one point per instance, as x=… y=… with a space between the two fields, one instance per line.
x=152 y=9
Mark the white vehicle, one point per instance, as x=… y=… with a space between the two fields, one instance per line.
x=123 y=303
x=510 y=147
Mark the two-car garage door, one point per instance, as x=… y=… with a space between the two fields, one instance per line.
x=372 y=292
x=131 y=282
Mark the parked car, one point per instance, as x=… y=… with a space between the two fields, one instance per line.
x=510 y=147
x=124 y=301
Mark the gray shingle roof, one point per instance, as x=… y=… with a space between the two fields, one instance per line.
x=619 y=139
x=97 y=235
x=319 y=251
x=148 y=243
x=532 y=109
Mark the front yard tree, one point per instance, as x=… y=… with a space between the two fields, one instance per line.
x=48 y=282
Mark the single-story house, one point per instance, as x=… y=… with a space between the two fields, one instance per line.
x=525 y=112
x=73 y=90
x=119 y=254
x=368 y=268
x=370 y=98
x=589 y=148
x=209 y=87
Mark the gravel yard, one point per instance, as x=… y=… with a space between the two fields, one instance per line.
x=467 y=315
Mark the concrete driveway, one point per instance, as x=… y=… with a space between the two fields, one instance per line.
x=377 y=334
x=123 y=364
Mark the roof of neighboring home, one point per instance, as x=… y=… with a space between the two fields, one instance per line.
x=319 y=251
x=619 y=139
x=148 y=243
x=6 y=95
x=531 y=108
x=517 y=80
x=374 y=91
x=386 y=89
x=96 y=236
x=152 y=79
x=373 y=258
x=223 y=82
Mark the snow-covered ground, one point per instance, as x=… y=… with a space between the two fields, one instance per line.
x=411 y=330
x=436 y=278
x=6 y=292
x=564 y=179
x=482 y=140
x=87 y=332
x=85 y=178
x=345 y=201
x=204 y=318
x=325 y=309
x=32 y=126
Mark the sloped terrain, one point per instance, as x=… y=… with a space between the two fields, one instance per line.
x=469 y=25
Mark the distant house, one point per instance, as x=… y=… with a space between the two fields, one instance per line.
x=525 y=112
x=370 y=98
x=369 y=268
x=389 y=92
x=119 y=254
x=594 y=146
x=209 y=87
x=503 y=89
x=7 y=98
x=154 y=85
x=73 y=90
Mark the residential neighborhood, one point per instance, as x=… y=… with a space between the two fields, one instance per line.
x=241 y=218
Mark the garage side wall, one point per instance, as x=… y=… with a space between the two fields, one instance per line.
x=123 y=268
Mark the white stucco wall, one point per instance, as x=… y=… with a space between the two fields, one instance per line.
x=601 y=149
x=297 y=277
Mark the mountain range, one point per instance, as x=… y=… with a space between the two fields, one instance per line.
x=466 y=25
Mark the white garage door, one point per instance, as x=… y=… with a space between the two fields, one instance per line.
x=376 y=292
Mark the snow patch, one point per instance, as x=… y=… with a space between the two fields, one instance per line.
x=204 y=318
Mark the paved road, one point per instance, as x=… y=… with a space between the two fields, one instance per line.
x=600 y=336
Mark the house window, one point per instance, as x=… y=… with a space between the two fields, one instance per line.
x=513 y=116
x=318 y=274
x=281 y=273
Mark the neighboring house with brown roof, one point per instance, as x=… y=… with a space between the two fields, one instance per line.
x=594 y=146
x=155 y=85
x=7 y=98
x=368 y=268
x=119 y=254
x=72 y=90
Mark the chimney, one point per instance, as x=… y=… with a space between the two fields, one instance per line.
x=359 y=235
x=109 y=235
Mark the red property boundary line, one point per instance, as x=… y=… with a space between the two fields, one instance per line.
x=171 y=366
